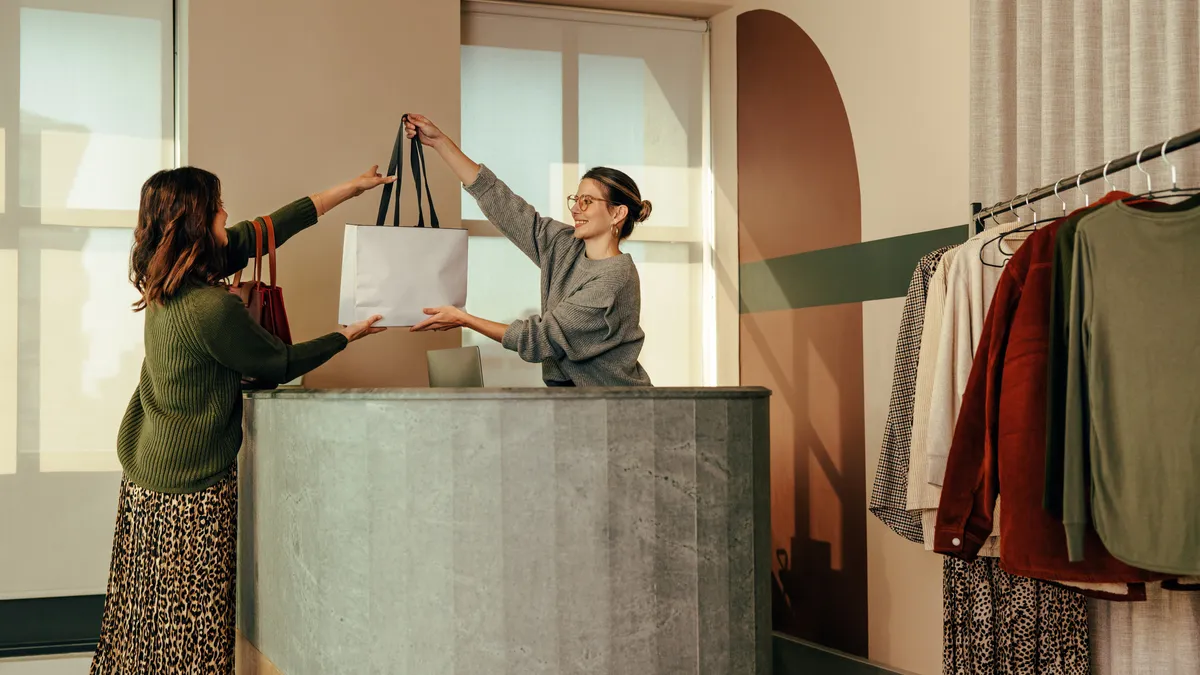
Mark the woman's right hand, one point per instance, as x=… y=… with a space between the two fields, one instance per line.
x=362 y=328
x=462 y=166
x=430 y=134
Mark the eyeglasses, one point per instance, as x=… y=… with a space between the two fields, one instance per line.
x=584 y=201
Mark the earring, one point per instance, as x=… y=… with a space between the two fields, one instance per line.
x=616 y=232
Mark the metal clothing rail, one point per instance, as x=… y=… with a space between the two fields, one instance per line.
x=1158 y=150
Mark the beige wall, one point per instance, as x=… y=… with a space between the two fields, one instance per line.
x=902 y=71
x=287 y=97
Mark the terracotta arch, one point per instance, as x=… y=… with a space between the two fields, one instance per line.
x=798 y=191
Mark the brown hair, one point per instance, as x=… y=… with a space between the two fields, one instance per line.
x=620 y=189
x=174 y=243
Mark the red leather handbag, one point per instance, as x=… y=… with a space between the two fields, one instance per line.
x=264 y=301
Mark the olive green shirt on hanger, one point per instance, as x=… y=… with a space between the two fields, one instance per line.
x=1132 y=425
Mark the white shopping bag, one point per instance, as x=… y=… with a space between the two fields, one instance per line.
x=398 y=271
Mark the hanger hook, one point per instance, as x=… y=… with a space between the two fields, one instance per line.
x=1013 y=209
x=992 y=214
x=1149 y=184
x=1087 y=200
x=1059 y=197
x=1163 y=154
x=1031 y=209
x=1104 y=173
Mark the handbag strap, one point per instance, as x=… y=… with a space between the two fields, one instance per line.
x=258 y=251
x=420 y=175
x=270 y=225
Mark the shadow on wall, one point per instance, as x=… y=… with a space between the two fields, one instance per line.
x=798 y=191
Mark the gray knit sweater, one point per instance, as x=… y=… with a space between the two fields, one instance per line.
x=589 y=330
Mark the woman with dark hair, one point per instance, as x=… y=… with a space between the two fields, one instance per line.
x=589 y=332
x=171 y=600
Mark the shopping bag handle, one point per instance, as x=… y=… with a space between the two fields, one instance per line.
x=419 y=172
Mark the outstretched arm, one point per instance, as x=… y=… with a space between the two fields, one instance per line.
x=513 y=216
x=295 y=217
x=445 y=318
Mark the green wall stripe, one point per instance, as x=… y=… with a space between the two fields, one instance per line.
x=872 y=270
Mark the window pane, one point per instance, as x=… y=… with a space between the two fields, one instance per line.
x=512 y=121
x=91 y=346
x=626 y=122
x=633 y=98
x=671 y=312
x=92 y=114
x=3 y=165
x=503 y=286
x=8 y=362
x=91 y=118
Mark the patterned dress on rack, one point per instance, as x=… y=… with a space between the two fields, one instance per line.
x=996 y=623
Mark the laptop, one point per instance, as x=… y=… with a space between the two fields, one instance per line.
x=457 y=368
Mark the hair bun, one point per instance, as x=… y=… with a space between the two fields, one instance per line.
x=647 y=207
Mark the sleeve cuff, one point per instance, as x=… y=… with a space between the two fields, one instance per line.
x=512 y=334
x=935 y=470
x=483 y=182
x=956 y=542
x=301 y=213
x=1075 y=541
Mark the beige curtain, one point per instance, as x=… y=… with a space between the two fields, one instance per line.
x=1059 y=86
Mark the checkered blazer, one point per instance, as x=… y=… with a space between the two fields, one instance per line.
x=890 y=490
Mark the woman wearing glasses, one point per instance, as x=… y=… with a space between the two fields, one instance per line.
x=589 y=332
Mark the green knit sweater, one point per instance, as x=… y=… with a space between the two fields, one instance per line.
x=183 y=427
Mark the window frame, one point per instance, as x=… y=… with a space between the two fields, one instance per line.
x=697 y=237
x=62 y=624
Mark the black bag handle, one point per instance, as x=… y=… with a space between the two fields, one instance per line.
x=419 y=171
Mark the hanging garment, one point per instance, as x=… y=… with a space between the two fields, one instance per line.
x=1130 y=457
x=1056 y=396
x=889 y=491
x=960 y=285
x=1156 y=637
x=998 y=448
x=970 y=287
x=996 y=623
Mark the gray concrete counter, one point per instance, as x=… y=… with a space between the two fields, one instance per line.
x=424 y=531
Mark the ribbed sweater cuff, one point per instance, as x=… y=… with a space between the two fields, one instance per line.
x=294 y=218
x=307 y=356
x=483 y=182
x=512 y=335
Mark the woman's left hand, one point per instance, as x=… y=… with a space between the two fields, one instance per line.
x=442 y=318
x=369 y=179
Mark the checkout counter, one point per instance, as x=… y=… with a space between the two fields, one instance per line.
x=564 y=530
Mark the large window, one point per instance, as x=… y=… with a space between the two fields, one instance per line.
x=547 y=94
x=86 y=115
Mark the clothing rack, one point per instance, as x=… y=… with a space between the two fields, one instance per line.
x=1158 y=150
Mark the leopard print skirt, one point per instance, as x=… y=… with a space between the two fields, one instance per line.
x=171 y=604
x=996 y=623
